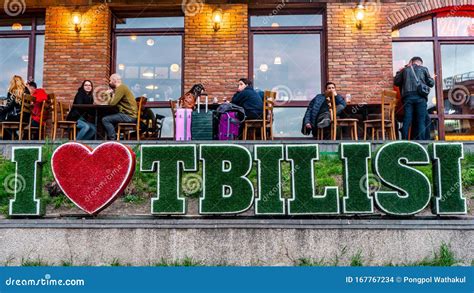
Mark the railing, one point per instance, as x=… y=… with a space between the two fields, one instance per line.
x=449 y=82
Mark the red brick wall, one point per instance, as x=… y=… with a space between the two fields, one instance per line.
x=217 y=59
x=360 y=61
x=71 y=57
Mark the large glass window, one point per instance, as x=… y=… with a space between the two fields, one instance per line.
x=151 y=65
x=449 y=53
x=149 y=57
x=289 y=61
x=287 y=57
x=21 y=50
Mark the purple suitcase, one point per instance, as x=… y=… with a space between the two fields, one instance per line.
x=229 y=126
x=183 y=124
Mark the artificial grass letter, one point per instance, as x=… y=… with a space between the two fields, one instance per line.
x=269 y=200
x=26 y=183
x=446 y=158
x=357 y=197
x=226 y=189
x=166 y=161
x=304 y=200
x=392 y=165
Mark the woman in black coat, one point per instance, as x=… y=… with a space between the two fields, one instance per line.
x=247 y=98
x=85 y=95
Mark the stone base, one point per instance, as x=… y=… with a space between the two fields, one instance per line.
x=146 y=241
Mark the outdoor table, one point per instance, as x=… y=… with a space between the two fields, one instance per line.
x=363 y=109
x=99 y=110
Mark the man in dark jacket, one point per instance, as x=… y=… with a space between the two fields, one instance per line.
x=317 y=115
x=247 y=98
x=414 y=104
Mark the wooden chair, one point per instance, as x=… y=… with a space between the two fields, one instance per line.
x=340 y=122
x=59 y=114
x=26 y=101
x=265 y=125
x=173 y=107
x=128 y=128
x=41 y=129
x=387 y=120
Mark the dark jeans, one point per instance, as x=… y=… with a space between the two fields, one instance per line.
x=110 y=121
x=415 y=114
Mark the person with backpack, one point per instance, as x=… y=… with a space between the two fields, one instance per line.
x=414 y=81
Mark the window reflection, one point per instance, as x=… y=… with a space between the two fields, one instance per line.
x=456 y=26
x=459 y=129
x=150 y=22
x=286 y=20
x=458 y=78
x=288 y=122
x=421 y=28
x=151 y=65
x=13 y=61
x=288 y=64
x=39 y=60
x=9 y=24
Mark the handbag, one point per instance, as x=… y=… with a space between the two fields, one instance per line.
x=421 y=88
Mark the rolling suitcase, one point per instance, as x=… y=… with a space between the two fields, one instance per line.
x=183 y=124
x=203 y=123
x=229 y=126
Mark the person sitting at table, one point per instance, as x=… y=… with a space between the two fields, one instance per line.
x=124 y=99
x=247 y=98
x=11 y=110
x=84 y=95
x=39 y=96
x=317 y=114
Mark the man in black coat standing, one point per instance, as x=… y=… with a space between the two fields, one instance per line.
x=408 y=79
x=317 y=115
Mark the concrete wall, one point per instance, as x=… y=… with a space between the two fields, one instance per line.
x=229 y=241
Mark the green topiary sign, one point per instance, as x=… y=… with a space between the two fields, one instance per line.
x=226 y=186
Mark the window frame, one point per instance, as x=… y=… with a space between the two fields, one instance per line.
x=437 y=41
x=320 y=30
x=31 y=35
x=126 y=32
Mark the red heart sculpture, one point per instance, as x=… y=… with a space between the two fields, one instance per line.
x=93 y=179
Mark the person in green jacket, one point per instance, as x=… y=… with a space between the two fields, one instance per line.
x=124 y=99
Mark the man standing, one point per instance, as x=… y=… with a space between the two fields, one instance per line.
x=317 y=115
x=124 y=99
x=410 y=79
